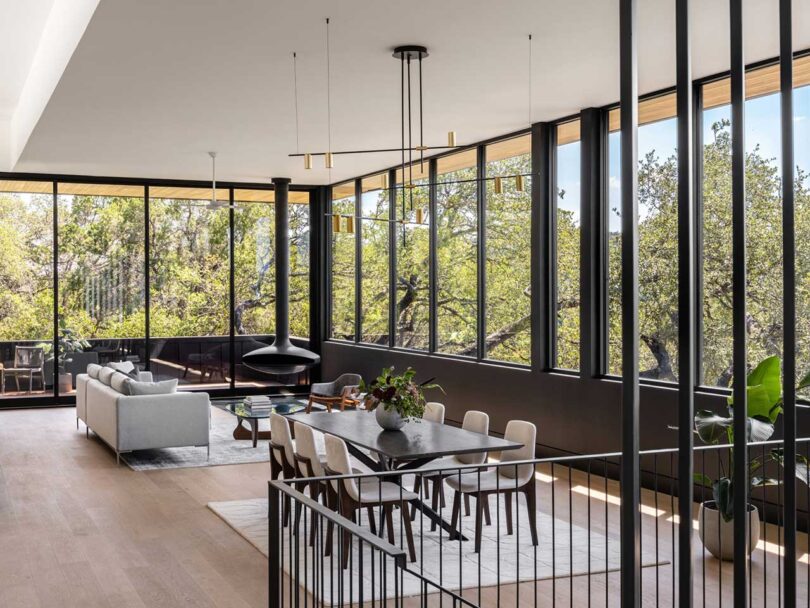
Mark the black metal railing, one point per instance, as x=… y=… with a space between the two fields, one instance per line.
x=476 y=547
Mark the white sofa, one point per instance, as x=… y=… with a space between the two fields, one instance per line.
x=142 y=422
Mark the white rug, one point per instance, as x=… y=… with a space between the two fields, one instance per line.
x=508 y=562
x=224 y=449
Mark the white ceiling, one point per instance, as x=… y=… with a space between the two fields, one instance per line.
x=153 y=85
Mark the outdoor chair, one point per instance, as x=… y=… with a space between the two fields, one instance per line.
x=28 y=361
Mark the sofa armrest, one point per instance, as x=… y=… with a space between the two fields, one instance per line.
x=162 y=421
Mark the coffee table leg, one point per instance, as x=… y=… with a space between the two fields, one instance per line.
x=254 y=430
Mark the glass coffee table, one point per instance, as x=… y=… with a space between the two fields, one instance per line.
x=244 y=412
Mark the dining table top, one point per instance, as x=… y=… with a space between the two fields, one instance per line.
x=417 y=440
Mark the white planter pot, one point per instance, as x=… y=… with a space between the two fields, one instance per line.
x=717 y=534
x=389 y=420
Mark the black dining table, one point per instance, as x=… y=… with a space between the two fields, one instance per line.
x=418 y=443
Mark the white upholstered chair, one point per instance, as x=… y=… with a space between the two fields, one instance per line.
x=434 y=412
x=351 y=495
x=507 y=480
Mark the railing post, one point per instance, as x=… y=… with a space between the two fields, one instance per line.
x=274 y=573
x=630 y=492
x=686 y=303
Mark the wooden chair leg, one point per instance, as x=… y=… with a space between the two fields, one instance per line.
x=403 y=507
x=479 y=511
x=487 y=517
x=434 y=504
x=417 y=486
x=455 y=528
x=437 y=489
x=507 y=498
x=371 y=524
x=389 y=520
x=530 y=490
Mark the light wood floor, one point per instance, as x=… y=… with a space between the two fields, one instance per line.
x=77 y=530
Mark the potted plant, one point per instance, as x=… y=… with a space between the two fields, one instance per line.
x=397 y=399
x=715 y=519
x=69 y=345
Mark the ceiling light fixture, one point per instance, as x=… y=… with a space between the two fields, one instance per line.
x=328 y=160
x=214 y=204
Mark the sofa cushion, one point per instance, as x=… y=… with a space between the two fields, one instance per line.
x=105 y=374
x=120 y=382
x=122 y=366
x=93 y=369
x=164 y=387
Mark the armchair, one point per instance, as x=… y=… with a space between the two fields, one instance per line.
x=340 y=391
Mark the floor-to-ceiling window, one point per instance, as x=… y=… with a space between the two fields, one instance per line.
x=189 y=286
x=508 y=243
x=102 y=315
x=567 y=241
x=658 y=240
x=375 y=279
x=457 y=253
x=26 y=289
x=412 y=195
x=764 y=297
x=342 y=287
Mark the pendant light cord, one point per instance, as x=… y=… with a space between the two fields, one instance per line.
x=295 y=89
x=530 y=79
x=328 y=94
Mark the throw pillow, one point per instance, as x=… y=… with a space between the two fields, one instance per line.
x=120 y=382
x=164 y=387
x=122 y=366
x=93 y=369
x=105 y=374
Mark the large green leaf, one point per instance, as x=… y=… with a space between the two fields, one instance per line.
x=712 y=428
x=805 y=382
x=759 y=430
x=802 y=464
x=764 y=389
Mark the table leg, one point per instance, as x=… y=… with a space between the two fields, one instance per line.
x=254 y=430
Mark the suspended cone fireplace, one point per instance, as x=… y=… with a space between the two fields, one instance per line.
x=281 y=357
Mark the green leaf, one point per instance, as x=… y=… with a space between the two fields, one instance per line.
x=724 y=497
x=703 y=480
x=759 y=430
x=761 y=482
x=802 y=464
x=764 y=389
x=712 y=428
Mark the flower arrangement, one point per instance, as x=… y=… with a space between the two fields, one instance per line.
x=399 y=393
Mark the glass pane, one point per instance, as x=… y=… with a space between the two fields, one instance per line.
x=26 y=287
x=299 y=269
x=764 y=297
x=658 y=241
x=457 y=254
x=101 y=275
x=508 y=262
x=567 y=203
x=189 y=287
x=375 y=259
x=343 y=261
x=413 y=239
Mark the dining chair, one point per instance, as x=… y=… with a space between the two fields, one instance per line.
x=311 y=461
x=438 y=470
x=351 y=495
x=282 y=458
x=434 y=412
x=506 y=480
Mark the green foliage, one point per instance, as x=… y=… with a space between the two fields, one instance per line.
x=399 y=392
x=764 y=390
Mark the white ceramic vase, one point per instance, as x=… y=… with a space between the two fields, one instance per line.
x=717 y=534
x=388 y=419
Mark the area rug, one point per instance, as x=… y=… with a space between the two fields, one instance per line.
x=224 y=449
x=576 y=552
